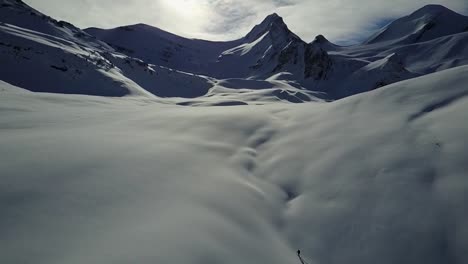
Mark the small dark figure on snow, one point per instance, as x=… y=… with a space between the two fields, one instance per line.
x=299 y=256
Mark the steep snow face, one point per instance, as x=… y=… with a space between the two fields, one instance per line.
x=17 y=13
x=375 y=178
x=273 y=21
x=377 y=74
x=45 y=63
x=271 y=48
x=43 y=55
x=427 y=23
x=54 y=64
x=436 y=55
x=421 y=57
x=405 y=49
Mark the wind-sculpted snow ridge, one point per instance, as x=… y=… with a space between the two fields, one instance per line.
x=375 y=178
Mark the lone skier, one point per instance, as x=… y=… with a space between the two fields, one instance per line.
x=299 y=256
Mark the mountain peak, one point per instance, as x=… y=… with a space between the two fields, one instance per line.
x=322 y=42
x=320 y=39
x=273 y=21
x=431 y=9
x=272 y=17
x=427 y=23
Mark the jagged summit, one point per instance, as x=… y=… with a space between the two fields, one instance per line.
x=273 y=23
x=273 y=17
x=323 y=43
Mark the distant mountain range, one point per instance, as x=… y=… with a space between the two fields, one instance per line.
x=42 y=54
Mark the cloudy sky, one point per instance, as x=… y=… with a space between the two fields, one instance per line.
x=342 y=21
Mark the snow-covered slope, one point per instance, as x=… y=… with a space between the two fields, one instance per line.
x=46 y=63
x=427 y=23
x=43 y=55
x=162 y=48
x=431 y=39
x=374 y=178
x=17 y=13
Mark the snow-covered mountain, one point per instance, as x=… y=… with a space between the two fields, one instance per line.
x=58 y=57
x=425 y=24
x=261 y=52
x=19 y=14
x=44 y=55
x=140 y=59
x=432 y=38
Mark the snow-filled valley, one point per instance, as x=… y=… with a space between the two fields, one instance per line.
x=232 y=152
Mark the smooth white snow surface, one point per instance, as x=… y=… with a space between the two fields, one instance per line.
x=379 y=177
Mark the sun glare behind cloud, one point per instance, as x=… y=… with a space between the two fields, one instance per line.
x=186 y=8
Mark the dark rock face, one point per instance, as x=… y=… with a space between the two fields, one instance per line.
x=320 y=39
x=272 y=23
x=290 y=54
x=285 y=47
x=289 y=51
x=317 y=63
